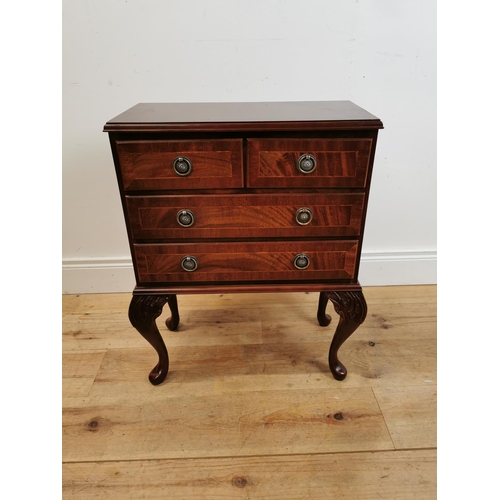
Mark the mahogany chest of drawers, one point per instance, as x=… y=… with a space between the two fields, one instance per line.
x=244 y=197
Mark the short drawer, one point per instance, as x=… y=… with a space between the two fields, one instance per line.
x=250 y=261
x=308 y=163
x=245 y=216
x=201 y=164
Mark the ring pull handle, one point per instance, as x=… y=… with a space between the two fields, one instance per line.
x=301 y=261
x=185 y=218
x=303 y=216
x=189 y=263
x=182 y=166
x=306 y=163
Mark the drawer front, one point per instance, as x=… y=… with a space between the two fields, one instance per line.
x=339 y=163
x=254 y=261
x=149 y=165
x=245 y=216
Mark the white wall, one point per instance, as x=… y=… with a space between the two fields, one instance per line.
x=380 y=54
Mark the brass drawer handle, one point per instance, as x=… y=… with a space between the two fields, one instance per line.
x=303 y=216
x=301 y=261
x=306 y=163
x=189 y=263
x=185 y=218
x=182 y=166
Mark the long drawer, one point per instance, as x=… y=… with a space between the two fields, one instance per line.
x=308 y=163
x=250 y=261
x=198 y=164
x=245 y=216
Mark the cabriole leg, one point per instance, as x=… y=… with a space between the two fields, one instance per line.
x=143 y=311
x=173 y=322
x=352 y=309
x=323 y=318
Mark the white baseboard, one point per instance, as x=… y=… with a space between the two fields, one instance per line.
x=112 y=275
x=109 y=275
x=398 y=268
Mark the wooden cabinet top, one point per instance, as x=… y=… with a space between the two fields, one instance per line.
x=246 y=116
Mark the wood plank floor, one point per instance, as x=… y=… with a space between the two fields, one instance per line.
x=249 y=408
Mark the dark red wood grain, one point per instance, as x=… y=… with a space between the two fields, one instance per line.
x=245 y=216
x=341 y=163
x=148 y=164
x=259 y=261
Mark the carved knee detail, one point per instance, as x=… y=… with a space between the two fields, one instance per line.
x=146 y=308
x=349 y=305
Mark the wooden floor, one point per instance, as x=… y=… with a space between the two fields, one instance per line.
x=249 y=408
